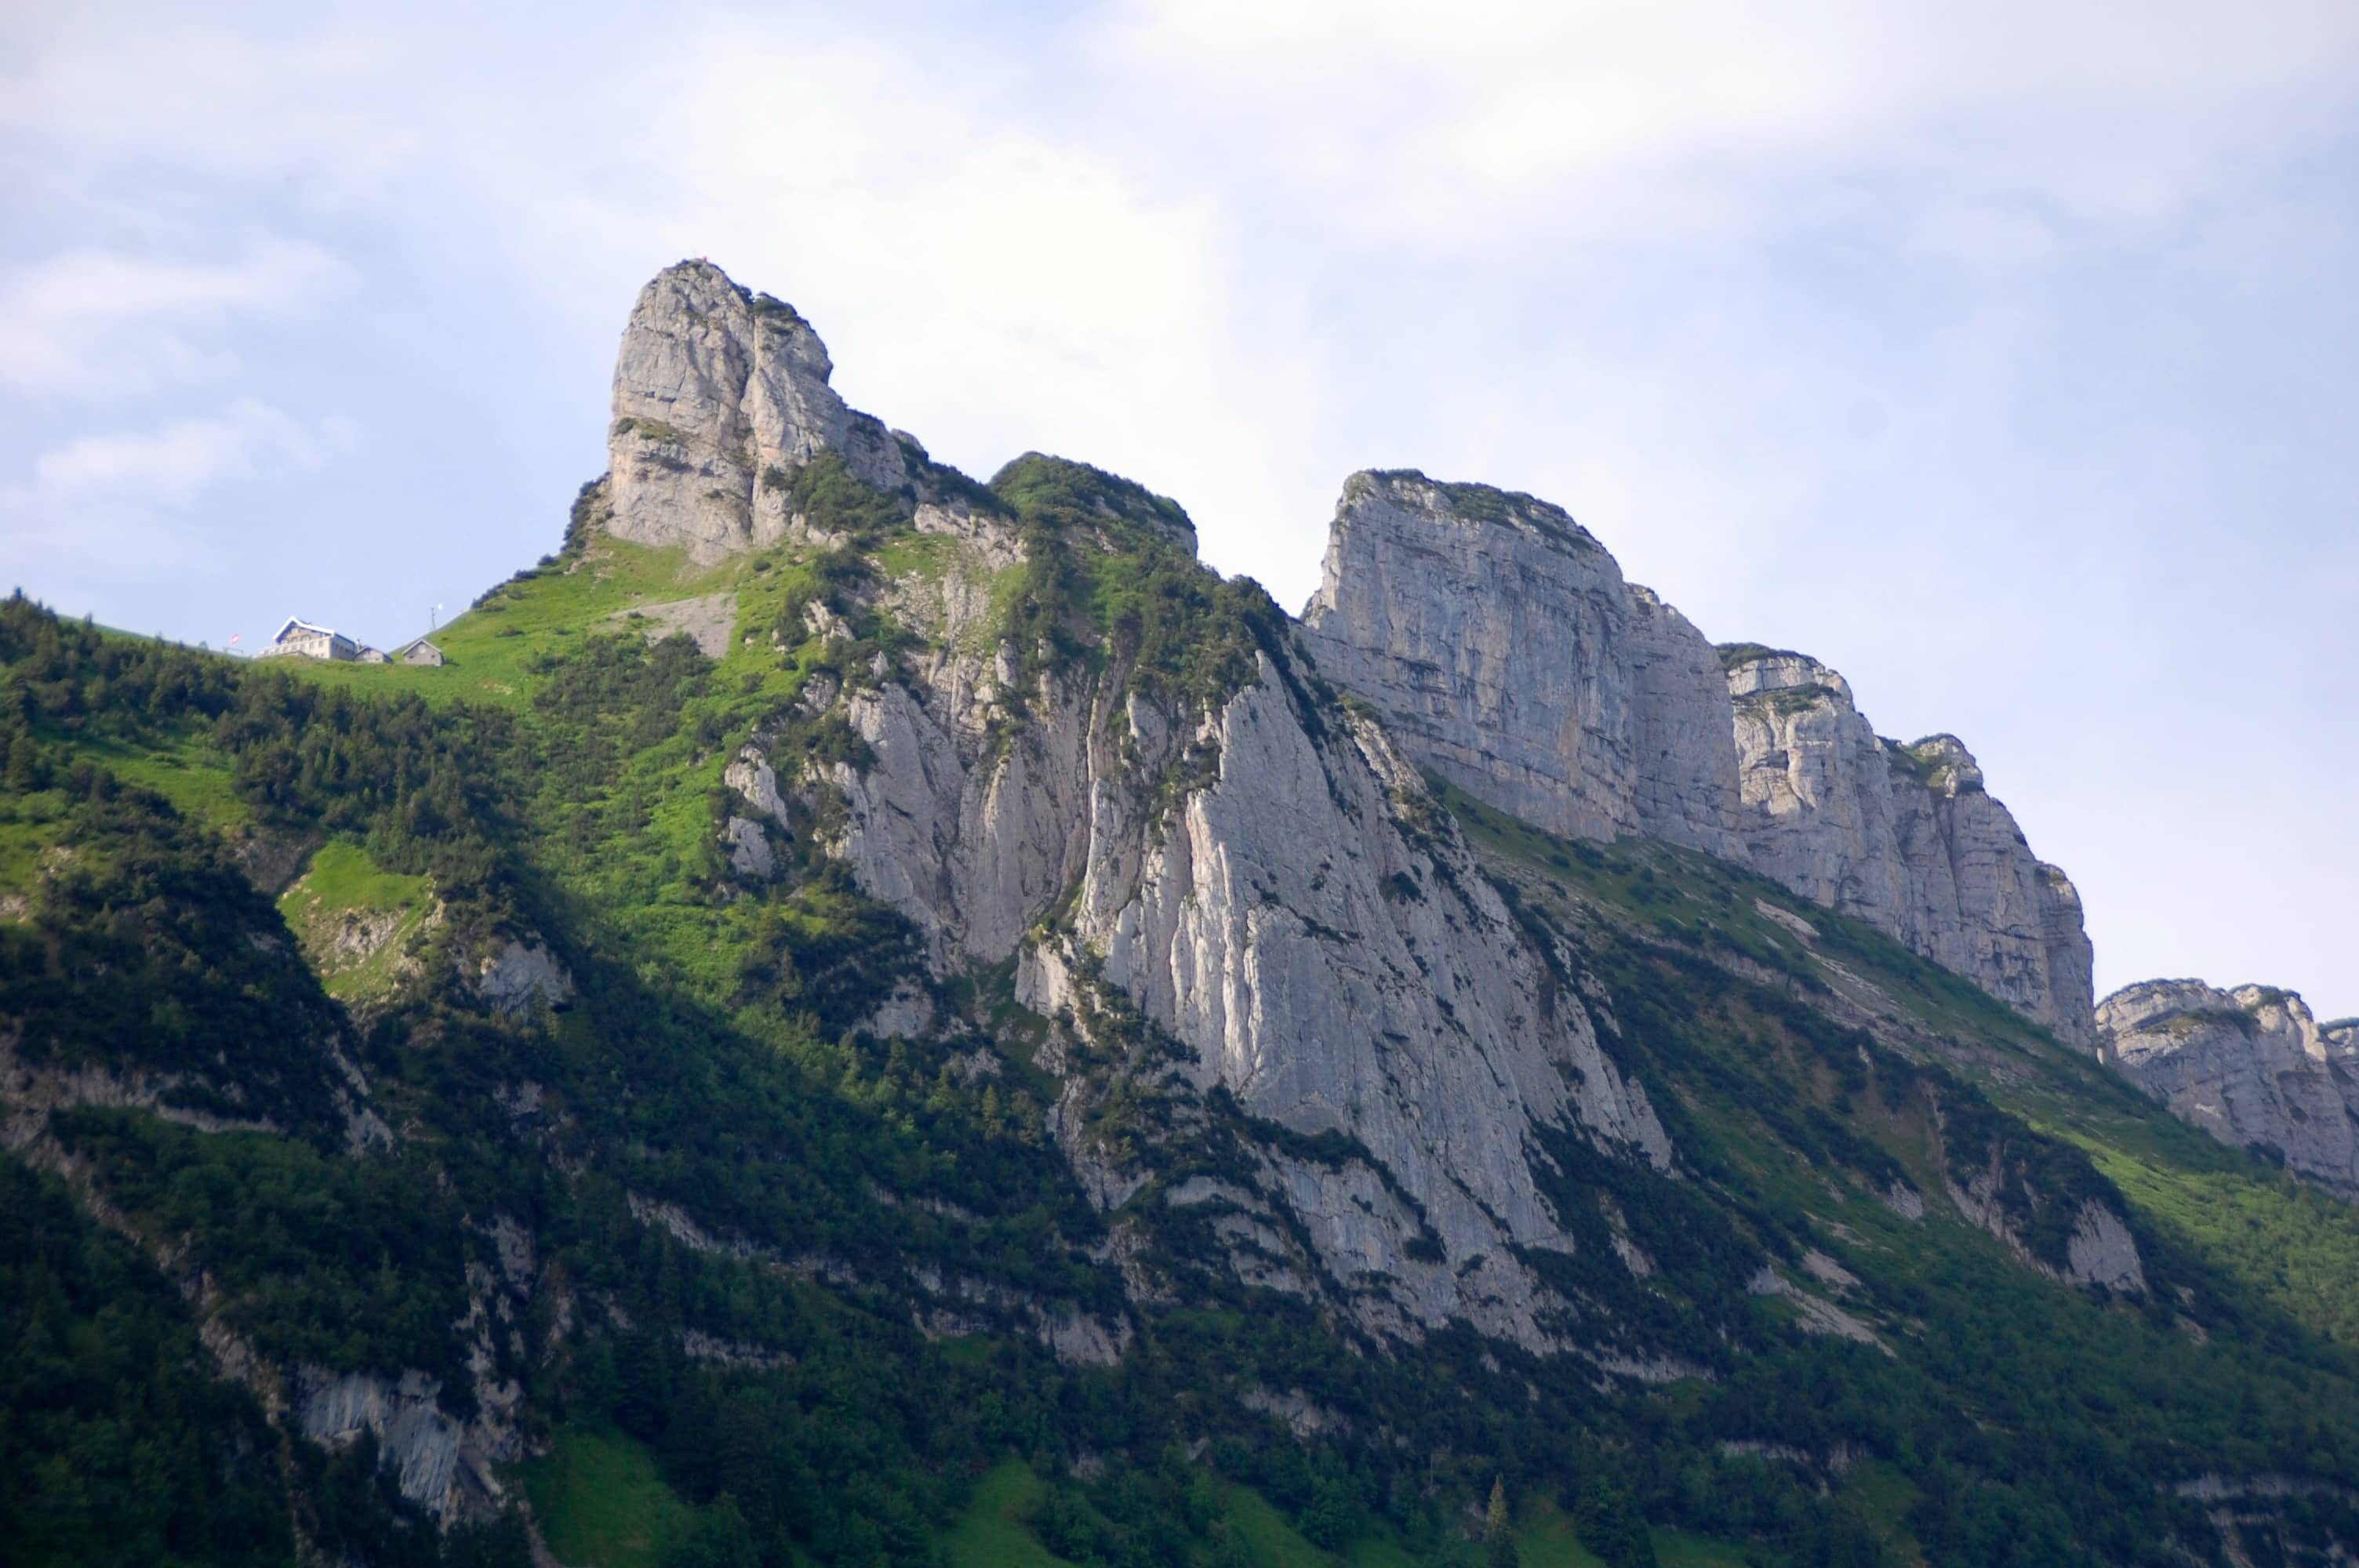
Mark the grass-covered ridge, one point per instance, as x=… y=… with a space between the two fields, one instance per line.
x=1734 y=655
x=1488 y=504
x=1111 y=576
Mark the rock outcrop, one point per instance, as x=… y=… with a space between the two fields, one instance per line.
x=1905 y=837
x=2099 y=1251
x=1501 y=645
x=720 y=395
x=1336 y=975
x=1685 y=784
x=519 y=977
x=1265 y=880
x=448 y=1466
x=1502 y=648
x=2250 y=1067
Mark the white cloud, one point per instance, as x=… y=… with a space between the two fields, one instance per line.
x=265 y=98
x=91 y=322
x=1452 y=129
x=115 y=504
x=170 y=465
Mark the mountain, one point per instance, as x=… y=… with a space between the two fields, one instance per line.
x=866 y=1016
x=1500 y=641
x=2250 y=1067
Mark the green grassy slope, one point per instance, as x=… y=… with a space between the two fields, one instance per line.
x=2298 y=1246
x=601 y=1503
x=992 y=1531
x=356 y=921
x=1803 y=1124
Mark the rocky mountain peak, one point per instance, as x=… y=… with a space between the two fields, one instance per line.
x=1505 y=650
x=1904 y=837
x=721 y=395
x=1508 y=653
x=1754 y=671
x=2250 y=1065
x=1450 y=504
x=1941 y=762
x=2152 y=1005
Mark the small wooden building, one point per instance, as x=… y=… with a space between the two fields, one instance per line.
x=421 y=652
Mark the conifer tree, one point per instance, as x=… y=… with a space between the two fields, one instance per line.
x=1498 y=1539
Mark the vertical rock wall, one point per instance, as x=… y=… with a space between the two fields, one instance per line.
x=1499 y=643
x=2248 y=1065
x=1905 y=838
x=1685 y=782
x=1300 y=919
x=1502 y=648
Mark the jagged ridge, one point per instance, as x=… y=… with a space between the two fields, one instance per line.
x=1502 y=643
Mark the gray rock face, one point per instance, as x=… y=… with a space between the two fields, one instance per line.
x=970 y=849
x=755 y=784
x=749 y=849
x=1335 y=976
x=1501 y=647
x=419 y=1443
x=2100 y=1251
x=2248 y=1065
x=2071 y=959
x=1905 y=837
x=719 y=397
x=1685 y=784
x=520 y=977
x=1503 y=650
x=1299 y=918
x=1816 y=788
x=449 y=1468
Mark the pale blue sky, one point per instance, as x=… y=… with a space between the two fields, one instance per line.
x=2000 y=355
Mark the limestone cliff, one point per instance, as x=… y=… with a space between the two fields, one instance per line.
x=1905 y=837
x=1265 y=879
x=1685 y=781
x=2250 y=1067
x=1500 y=644
x=1258 y=872
x=720 y=395
x=1502 y=648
